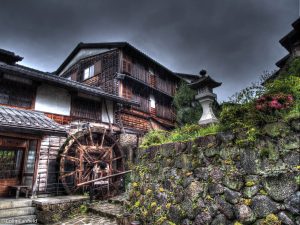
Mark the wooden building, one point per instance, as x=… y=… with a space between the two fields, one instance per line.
x=112 y=86
x=291 y=42
x=37 y=109
x=120 y=69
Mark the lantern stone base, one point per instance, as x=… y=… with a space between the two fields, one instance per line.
x=209 y=121
x=208 y=115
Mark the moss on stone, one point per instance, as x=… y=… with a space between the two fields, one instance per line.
x=250 y=183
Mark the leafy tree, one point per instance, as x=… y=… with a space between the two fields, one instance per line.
x=188 y=110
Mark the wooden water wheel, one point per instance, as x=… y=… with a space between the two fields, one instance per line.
x=90 y=154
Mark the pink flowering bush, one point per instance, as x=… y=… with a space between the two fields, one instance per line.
x=270 y=103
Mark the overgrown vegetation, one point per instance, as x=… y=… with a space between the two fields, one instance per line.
x=247 y=111
x=181 y=134
x=255 y=106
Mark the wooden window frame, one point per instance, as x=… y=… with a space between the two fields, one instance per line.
x=90 y=74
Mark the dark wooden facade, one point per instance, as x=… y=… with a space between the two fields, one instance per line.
x=131 y=76
x=17 y=94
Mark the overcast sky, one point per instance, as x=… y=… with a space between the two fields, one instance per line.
x=234 y=40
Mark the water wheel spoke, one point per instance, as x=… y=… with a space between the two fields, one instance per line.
x=113 y=146
x=91 y=137
x=86 y=155
x=88 y=160
x=102 y=140
x=75 y=139
x=71 y=158
x=105 y=154
x=67 y=174
x=86 y=174
x=114 y=159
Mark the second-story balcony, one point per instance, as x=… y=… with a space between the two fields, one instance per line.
x=152 y=80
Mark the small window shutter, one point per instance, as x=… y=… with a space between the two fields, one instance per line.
x=80 y=76
x=74 y=76
x=129 y=67
x=98 y=67
x=124 y=66
x=127 y=92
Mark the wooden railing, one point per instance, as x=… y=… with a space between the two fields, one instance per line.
x=139 y=73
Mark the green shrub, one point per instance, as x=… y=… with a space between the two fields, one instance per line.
x=243 y=112
x=155 y=137
x=83 y=209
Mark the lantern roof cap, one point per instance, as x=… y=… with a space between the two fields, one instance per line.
x=203 y=81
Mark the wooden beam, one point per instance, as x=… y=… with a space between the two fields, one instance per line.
x=103 y=178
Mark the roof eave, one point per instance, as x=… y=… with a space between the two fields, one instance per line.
x=68 y=86
x=31 y=130
x=282 y=61
x=200 y=82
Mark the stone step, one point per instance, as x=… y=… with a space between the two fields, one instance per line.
x=106 y=209
x=14 y=212
x=29 y=219
x=15 y=203
x=120 y=199
x=88 y=219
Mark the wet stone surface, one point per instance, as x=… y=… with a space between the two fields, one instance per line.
x=90 y=219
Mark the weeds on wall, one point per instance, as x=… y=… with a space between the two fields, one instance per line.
x=180 y=134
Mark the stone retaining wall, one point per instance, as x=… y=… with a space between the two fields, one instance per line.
x=54 y=209
x=215 y=181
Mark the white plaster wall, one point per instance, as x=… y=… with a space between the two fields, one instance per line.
x=53 y=100
x=110 y=109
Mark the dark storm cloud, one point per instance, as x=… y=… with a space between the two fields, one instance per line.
x=235 y=40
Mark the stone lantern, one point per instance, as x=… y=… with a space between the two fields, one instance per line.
x=204 y=87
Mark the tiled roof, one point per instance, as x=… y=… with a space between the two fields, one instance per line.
x=63 y=82
x=28 y=121
x=9 y=57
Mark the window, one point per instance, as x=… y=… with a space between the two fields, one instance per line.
x=151 y=71
x=10 y=163
x=16 y=94
x=152 y=101
x=88 y=72
x=86 y=109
